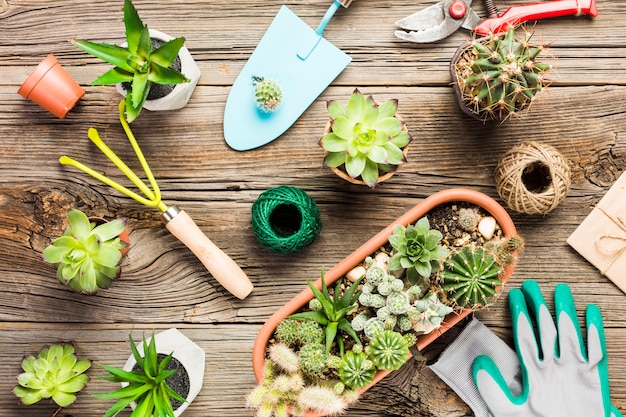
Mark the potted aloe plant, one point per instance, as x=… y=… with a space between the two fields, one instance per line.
x=89 y=252
x=161 y=377
x=498 y=76
x=406 y=286
x=364 y=142
x=152 y=69
x=55 y=373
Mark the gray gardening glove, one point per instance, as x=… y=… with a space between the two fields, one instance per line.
x=454 y=365
x=560 y=378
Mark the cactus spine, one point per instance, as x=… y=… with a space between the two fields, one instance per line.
x=500 y=75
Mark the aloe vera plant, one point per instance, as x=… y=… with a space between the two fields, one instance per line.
x=137 y=63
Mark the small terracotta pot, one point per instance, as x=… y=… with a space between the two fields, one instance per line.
x=341 y=173
x=50 y=86
x=370 y=247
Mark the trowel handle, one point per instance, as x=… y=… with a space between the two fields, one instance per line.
x=220 y=265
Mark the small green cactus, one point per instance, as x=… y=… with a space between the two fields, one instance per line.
x=287 y=332
x=267 y=93
x=313 y=359
x=356 y=369
x=500 y=75
x=471 y=277
x=388 y=350
x=333 y=314
x=468 y=219
x=416 y=248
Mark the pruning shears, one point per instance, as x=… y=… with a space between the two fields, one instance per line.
x=442 y=19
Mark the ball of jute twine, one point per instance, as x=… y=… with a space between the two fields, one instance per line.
x=533 y=178
x=285 y=219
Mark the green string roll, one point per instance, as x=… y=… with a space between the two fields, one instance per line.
x=285 y=220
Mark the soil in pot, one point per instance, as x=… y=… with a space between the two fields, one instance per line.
x=179 y=382
x=159 y=90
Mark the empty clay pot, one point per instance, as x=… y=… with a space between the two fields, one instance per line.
x=50 y=86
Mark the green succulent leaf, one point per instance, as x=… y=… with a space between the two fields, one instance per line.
x=113 y=54
x=167 y=53
x=333 y=143
x=336 y=109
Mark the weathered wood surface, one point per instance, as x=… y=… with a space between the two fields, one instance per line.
x=163 y=285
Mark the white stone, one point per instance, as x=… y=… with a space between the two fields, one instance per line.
x=381 y=259
x=487 y=227
x=355 y=273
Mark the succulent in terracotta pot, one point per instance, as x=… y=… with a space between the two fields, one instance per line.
x=391 y=313
x=500 y=75
x=148 y=59
x=365 y=142
x=89 y=252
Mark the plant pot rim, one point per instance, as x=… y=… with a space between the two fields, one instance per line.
x=340 y=269
x=33 y=79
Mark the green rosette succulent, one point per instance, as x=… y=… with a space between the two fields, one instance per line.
x=55 y=373
x=137 y=63
x=365 y=137
x=88 y=255
x=416 y=249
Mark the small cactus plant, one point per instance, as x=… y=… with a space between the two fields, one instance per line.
x=500 y=75
x=471 y=277
x=365 y=138
x=268 y=94
x=356 y=370
x=388 y=350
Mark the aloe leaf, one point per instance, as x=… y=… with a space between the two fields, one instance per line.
x=113 y=54
x=134 y=26
x=167 y=53
x=164 y=75
x=113 y=76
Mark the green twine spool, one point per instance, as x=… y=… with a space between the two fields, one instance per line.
x=285 y=220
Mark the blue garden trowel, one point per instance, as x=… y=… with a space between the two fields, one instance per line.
x=300 y=61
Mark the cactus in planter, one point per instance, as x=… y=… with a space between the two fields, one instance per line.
x=365 y=138
x=389 y=349
x=334 y=310
x=500 y=75
x=471 y=277
x=356 y=370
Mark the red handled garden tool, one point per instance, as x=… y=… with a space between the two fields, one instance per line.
x=440 y=20
x=222 y=267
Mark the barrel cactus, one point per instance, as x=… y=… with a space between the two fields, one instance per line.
x=267 y=93
x=471 y=277
x=388 y=350
x=500 y=75
x=356 y=370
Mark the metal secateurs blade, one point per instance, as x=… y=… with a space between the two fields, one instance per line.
x=440 y=20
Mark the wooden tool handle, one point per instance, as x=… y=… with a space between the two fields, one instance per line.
x=220 y=265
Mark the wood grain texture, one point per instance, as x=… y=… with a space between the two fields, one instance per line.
x=163 y=285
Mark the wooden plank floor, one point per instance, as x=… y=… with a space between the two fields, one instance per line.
x=163 y=285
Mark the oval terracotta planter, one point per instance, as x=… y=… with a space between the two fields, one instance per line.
x=356 y=257
x=50 y=86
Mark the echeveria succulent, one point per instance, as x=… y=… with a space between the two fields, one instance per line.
x=137 y=63
x=416 y=249
x=88 y=255
x=55 y=373
x=365 y=137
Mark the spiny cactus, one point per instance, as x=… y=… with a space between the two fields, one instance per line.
x=500 y=75
x=287 y=332
x=416 y=248
x=323 y=400
x=388 y=350
x=55 y=373
x=468 y=219
x=471 y=277
x=284 y=357
x=356 y=370
x=313 y=359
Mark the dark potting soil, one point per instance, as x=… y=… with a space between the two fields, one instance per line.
x=159 y=90
x=179 y=382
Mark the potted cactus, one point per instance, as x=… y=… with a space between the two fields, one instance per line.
x=152 y=69
x=89 y=252
x=55 y=373
x=498 y=76
x=364 y=142
x=162 y=376
x=406 y=286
